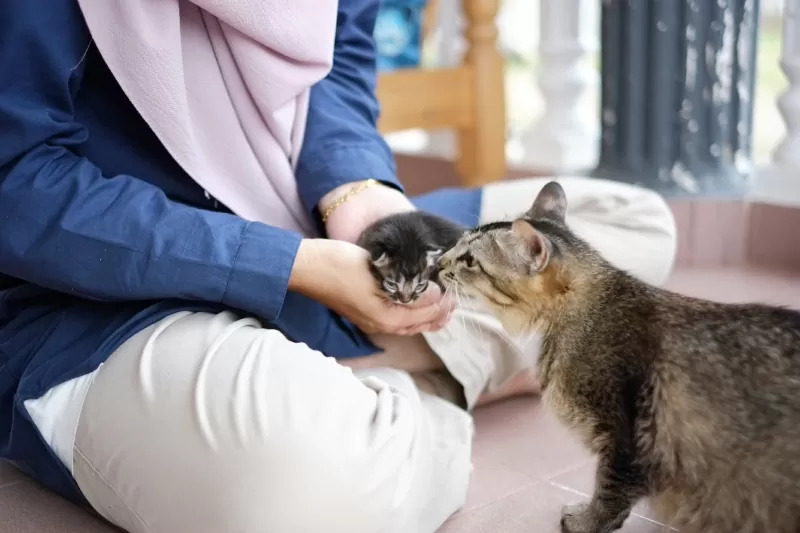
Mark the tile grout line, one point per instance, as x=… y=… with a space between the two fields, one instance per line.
x=568 y=469
x=532 y=482
x=495 y=500
x=567 y=489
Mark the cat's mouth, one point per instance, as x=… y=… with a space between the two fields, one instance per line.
x=447 y=278
x=450 y=285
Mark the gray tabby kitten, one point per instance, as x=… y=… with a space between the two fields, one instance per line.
x=404 y=249
x=691 y=403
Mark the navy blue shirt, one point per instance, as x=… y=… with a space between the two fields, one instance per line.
x=103 y=234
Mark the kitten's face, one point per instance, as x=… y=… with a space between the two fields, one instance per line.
x=403 y=281
x=515 y=268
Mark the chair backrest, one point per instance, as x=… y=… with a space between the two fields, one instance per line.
x=469 y=98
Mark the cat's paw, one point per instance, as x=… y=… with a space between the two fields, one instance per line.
x=577 y=518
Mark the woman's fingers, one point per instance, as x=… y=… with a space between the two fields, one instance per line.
x=429 y=313
x=416 y=320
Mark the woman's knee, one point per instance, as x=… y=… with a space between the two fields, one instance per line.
x=372 y=471
x=307 y=487
x=357 y=477
x=647 y=228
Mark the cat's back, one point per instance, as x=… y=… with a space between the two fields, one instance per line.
x=707 y=343
x=708 y=339
x=718 y=345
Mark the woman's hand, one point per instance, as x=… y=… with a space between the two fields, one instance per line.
x=336 y=274
x=350 y=219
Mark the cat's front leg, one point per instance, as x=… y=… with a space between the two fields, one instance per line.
x=619 y=484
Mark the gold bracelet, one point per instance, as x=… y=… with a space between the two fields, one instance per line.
x=346 y=196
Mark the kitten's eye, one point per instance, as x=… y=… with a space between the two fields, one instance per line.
x=389 y=285
x=421 y=287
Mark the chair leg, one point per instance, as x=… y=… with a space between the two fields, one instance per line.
x=482 y=156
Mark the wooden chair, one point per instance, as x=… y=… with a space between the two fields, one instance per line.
x=469 y=99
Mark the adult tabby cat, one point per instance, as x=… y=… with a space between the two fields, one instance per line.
x=693 y=404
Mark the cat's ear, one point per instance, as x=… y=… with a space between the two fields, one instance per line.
x=381 y=262
x=535 y=246
x=551 y=203
x=433 y=256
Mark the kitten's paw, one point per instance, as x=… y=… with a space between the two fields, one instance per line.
x=577 y=518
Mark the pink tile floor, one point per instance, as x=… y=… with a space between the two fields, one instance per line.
x=526 y=465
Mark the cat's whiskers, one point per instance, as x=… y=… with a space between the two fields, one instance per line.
x=459 y=296
x=463 y=301
x=451 y=290
x=470 y=305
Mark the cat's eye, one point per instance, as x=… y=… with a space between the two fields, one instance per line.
x=390 y=285
x=421 y=287
x=468 y=260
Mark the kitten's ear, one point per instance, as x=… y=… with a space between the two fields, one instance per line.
x=433 y=256
x=536 y=246
x=381 y=261
x=550 y=203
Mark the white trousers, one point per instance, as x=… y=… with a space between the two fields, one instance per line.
x=212 y=424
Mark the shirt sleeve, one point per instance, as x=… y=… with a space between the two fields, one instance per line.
x=342 y=143
x=66 y=226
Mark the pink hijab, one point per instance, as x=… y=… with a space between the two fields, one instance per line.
x=224 y=84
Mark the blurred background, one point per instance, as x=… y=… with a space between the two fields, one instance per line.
x=692 y=98
x=519 y=24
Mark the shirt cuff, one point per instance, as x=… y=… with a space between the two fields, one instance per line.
x=317 y=176
x=260 y=273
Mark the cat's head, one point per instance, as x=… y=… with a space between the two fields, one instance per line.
x=404 y=279
x=521 y=269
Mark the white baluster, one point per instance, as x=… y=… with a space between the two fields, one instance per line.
x=564 y=138
x=779 y=182
x=450 y=41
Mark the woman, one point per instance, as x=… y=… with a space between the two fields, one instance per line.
x=180 y=347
